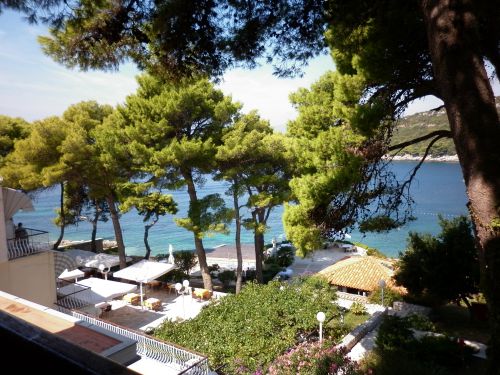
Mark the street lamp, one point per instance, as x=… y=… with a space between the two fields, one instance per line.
x=321 y=318
x=104 y=270
x=178 y=287
x=381 y=284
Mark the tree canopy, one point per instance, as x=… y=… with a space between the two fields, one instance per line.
x=169 y=132
x=442 y=268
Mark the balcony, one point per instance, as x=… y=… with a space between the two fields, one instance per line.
x=35 y=241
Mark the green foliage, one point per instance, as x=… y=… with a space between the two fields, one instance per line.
x=357 y=308
x=252 y=328
x=377 y=224
x=151 y=205
x=284 y=257
x=420 y=322
x=313 y=359
x=270 y=270
x=390 y=296
x=11 y=129
x=442 y=268
x=418 y=125
x=394 y=333
x=397 y=349
x=226 y=277
x=185 y=260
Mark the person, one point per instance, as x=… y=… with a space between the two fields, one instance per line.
x=21 y=232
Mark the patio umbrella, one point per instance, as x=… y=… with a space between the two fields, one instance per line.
x=143 y=272
x=171 y=259
x=14 y=201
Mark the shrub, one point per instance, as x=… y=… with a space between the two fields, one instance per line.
x=213 y=269
x=185 y=260
x=270 y=270
x=358 y=308
x=394 y=333
x=176 y=276
x=248 y=331
x=285 y=256
x=398 y=350
x=313 y=359
x=225 y=277
x=420 y=322
x=390 y=296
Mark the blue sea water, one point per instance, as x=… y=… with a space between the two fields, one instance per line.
x=438 y=189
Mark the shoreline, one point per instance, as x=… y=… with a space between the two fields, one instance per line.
x=429 y=158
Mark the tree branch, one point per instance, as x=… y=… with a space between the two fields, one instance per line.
x=438 y=134
x=417 y=167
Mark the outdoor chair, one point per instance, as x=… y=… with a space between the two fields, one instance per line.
x=201 y=294
x=132 y=298
x=153 y=304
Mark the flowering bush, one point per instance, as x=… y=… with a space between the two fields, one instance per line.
x=314 y=359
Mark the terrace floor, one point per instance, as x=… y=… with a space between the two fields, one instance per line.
x=173 y=307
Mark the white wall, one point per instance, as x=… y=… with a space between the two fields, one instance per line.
x=31 y=277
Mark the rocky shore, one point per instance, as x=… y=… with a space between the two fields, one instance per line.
x=408 y=157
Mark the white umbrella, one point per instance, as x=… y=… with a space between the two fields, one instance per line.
x=143 y=272
x=171 y=259
x=14 y=201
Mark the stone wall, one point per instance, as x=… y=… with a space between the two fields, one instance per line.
x=353 y=337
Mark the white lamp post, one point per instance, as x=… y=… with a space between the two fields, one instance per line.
x=321 y=318
x=381 y=284
x=178 y=287
x=185 y=284
x=102 y=268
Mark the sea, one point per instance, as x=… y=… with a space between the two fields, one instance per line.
x=438 y=189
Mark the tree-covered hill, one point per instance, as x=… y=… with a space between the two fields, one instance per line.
x=422 y=123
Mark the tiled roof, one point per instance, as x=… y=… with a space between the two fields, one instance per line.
x=359 y=272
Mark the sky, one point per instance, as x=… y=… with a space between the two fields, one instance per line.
x=33 y=87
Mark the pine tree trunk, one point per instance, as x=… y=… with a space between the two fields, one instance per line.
x=146 y=243
x=63 y=219
x=93 y=246
x=239 y=257
x=118 y=230
x=258 y=218
x=146 y=235
x=464 y=86
x=194 y=214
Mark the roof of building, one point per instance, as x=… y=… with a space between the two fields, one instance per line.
x=359 y=272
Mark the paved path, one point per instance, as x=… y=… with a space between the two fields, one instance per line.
x=321 y=259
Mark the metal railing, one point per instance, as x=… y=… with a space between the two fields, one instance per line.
x=77 y=298
x=32 y=242
x=186 y=362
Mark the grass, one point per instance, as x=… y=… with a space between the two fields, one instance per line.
x=455 y=321
x=351 y=320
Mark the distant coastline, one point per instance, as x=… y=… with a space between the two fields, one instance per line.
x=429 y=158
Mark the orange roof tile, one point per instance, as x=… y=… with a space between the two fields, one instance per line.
x=359 y=272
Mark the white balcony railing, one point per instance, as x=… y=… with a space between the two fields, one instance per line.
x=183 y=360
x=34 y=242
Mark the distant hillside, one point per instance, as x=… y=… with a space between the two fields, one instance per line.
x=422 y=123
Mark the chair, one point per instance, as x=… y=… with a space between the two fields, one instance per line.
x=132 y=298
x=170 y=287
x=153 y=304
